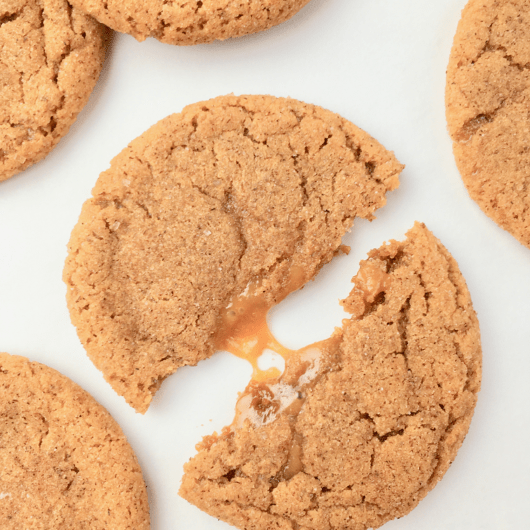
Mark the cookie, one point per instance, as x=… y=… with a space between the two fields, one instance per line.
x=488 y=86
x=188 y=23
x=50 y=55
x=232 y=192
x=65 y=462
x=359 y=428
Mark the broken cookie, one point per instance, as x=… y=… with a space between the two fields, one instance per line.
x=231 y=194
x=358 y=428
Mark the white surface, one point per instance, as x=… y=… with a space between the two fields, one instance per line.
x=380 y=64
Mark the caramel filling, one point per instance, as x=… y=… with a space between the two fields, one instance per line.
x=243 y=329
x=263 y=402
x=244 y=332
x=294 y=463
x=371 y=280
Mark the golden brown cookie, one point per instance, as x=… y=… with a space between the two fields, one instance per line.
x=359 y=428
x=192 y=22
x=50 y=58
x=488 y=86
x=65 y=462
x=232 y=191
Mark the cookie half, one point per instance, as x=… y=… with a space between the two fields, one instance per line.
x=192 y=22
x=231 y=192
x=65 y=461
x=488 y=86
x=359 y=428
x=51 y=55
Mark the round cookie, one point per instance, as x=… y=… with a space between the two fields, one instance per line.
x=192 y=22
x=50 y=58
x=231 y=192
x=65 y=462
x=488 y=86
x=361 y=427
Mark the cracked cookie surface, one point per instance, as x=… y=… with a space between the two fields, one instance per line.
x=232 y=191
x=487 y=92
x=190 y=21
x=369 y=432
x=50 y=58
x=65 y=462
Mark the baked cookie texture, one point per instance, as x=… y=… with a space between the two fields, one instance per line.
x=65 y=462
x=488 y=86
x=370 y=432
x=232 y=191
x=50 y=58
x=190 y=22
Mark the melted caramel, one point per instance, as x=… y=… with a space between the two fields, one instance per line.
x=262 y=402
x=294 y=462
x=371 y=280
x=243 y=329
x=245 y=333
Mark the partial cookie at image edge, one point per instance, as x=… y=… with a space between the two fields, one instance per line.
x=66 y=462
x=487 y=89
x=192 y=22
x=52 y=59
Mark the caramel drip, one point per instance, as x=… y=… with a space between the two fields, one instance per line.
x=245 y=333
x=263 y=401
x=243 y=329
x=294 y=461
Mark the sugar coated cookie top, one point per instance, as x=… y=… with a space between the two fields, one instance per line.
x=488 y=87
x=191 y=22
x=65 y=462
x=50 y=56
x=231 y=193
x=357 y=432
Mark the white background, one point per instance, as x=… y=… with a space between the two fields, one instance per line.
x=380 y=64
